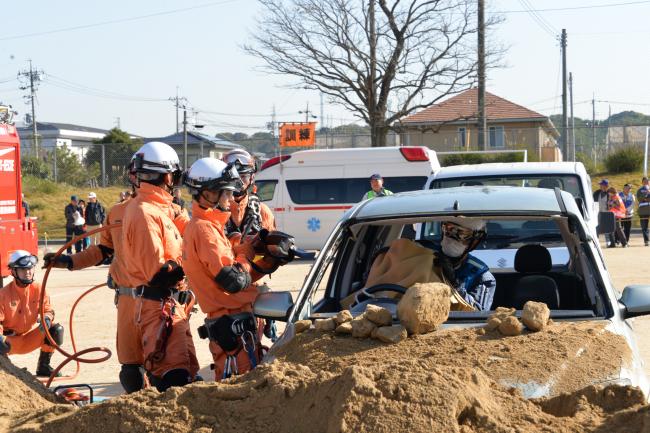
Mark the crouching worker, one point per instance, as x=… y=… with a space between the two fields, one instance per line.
x=222 y=273
x=19 y=314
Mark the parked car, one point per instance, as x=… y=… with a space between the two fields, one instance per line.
x=310 y=190
x=579 y=284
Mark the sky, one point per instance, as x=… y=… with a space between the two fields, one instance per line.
x=126 y=71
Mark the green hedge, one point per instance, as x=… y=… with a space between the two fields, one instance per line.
x=624 y=160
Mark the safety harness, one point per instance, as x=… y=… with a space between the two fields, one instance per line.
x=233 y=333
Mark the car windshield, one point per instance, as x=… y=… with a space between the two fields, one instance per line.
x=530 y=258
x=566 y=182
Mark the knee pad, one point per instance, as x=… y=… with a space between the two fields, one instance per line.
x=56 y=332
x=176 y=377
x=131 y=378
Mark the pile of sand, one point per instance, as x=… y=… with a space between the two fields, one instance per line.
x=444 y=381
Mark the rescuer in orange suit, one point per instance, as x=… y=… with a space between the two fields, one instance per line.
x=151 y=253
x=20 y=329
x=247 y=214
x=221 y=272
x=128 y=338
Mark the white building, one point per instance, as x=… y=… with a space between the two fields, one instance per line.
x=77 y=138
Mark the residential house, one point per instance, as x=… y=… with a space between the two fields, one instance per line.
x=451 y=126
x=198 y=145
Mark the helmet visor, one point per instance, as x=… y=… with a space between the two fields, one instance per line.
x=244 y=163
x=26 y=262
x=454 y=231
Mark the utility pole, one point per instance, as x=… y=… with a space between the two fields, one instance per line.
x=593 y=128
x=573 y=120
x=184 y=138
x=308 y=114
x=482 y=120
x=32 y=77
x=322 y=111
x=179 y=102
x=117 y=122
x=565 y=122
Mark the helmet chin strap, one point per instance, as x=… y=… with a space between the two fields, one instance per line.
x=21 y=282
x=214 y=204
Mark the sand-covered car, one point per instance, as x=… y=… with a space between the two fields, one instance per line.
x=590 y=315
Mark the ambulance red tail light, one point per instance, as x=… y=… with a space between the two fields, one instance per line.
x=413 y=154
x=274 y=161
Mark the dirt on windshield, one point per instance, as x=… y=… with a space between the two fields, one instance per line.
x=451 y=380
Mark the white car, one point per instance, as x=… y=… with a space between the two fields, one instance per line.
x=578 y=289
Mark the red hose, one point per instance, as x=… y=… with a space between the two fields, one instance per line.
x=75 y=356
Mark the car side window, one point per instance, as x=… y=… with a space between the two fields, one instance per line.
x=266 y=189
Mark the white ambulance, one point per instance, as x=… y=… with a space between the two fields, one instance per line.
x=310 y=190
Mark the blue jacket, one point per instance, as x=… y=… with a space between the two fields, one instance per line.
x=475 y=283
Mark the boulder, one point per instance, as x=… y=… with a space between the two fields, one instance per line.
x=344 y=328
x=424 y=307
x=503 y=312
x=362 y=327
x=325 y=324
x=511 y=326
x=492 y=323
x=302 y=325
x=343 y=316
x=535 y=315
x=391 y=334
x=378 y=315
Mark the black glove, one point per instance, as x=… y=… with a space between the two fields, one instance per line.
x=279 y=245
x=5 y=347
x=169 y=275
x=62 y=261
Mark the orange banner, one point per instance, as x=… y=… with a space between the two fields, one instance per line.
x=298 y=134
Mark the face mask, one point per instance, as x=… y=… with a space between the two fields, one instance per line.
x=452 y=248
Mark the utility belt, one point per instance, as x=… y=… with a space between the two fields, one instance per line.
x=154 y=293
x=228 y=330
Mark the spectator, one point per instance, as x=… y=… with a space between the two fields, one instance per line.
x=643 y=197
x=177 y=198
x=81 y=221
x=25 y=205
x=71 y=212
x=377 y=187
x=95 y=216
x=615 y=205
x=628 y=200
x=601 y=197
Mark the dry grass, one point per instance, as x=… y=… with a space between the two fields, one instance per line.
x=47 y=201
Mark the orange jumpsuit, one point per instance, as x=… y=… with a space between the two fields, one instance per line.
x=150 y=239
x=238 y=211
x=206 y=250
x=18 y=315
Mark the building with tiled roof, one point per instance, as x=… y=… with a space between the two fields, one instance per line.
x=452 y=126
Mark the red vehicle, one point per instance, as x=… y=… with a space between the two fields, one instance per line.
x=17 y=232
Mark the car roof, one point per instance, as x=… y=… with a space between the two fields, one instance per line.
x=468 y=199
x=509 y=168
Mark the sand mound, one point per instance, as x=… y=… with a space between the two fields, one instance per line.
x=449 y=381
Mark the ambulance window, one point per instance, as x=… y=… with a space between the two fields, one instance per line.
x=266 y=189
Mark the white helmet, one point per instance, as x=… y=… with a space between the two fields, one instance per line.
x=156 y=157
x=243 y=160
x=22 y=259
x=212 y=174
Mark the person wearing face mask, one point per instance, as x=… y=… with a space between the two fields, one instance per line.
x=222 y=270
x=20 y=330
x=469 y=276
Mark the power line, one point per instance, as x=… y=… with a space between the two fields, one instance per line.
x=545 y=25
x=83 y=89
x=116 y=21
x=572 y=8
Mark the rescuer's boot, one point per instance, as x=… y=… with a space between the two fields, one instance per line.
x=43 y=368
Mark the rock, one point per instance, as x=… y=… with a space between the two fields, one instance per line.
x=343 y=316
x=424 y=307
x=492 y=323
x=344 y=328
x=535 y=315
x=378 y=315
x=511 y=326
x=503 y=312
x=325 y=324
x=391 y=334
x=362 y=327
x=302 y=325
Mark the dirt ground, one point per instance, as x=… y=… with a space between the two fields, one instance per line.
x=94 y=321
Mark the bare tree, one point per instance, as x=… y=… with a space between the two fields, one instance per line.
x=372 y=55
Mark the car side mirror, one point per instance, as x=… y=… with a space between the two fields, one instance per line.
x=273 y=305
x=606 y=222
x=636 y=299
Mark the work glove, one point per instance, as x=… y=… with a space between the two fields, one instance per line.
x=169 y=275
x=5 y=347
x=245 y=248
x=278 y=245
x=62 y=261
